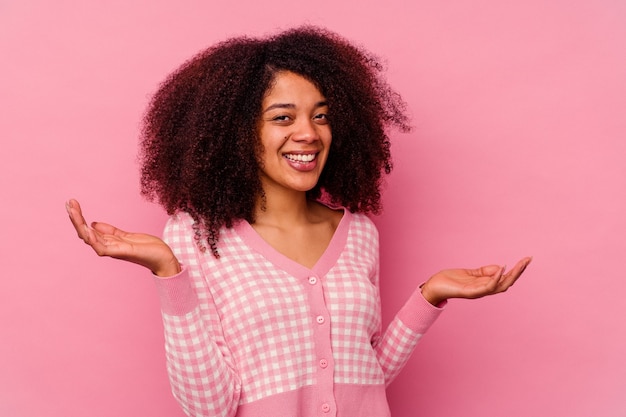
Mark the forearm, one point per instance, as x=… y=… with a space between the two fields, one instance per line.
x=404 y=332
x=202 y=378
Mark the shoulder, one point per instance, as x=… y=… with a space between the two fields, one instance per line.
x=362 y=240
x=363 y=223
x=362 y=235
x=178 y=228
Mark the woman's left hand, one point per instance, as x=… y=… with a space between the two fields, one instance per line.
x=471 y=283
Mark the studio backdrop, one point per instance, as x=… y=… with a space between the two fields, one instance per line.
x=518 y=148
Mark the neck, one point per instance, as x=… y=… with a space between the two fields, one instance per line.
x=282 y=207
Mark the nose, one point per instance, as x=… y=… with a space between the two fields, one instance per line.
x=305 y=131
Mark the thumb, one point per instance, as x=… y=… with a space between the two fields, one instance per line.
x=489 y=270
x=106 y=229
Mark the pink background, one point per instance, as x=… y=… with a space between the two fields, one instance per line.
x=518 y=149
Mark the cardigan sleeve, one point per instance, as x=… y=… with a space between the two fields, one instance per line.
x=395 y=345
x=202 y=376
x=398 y=341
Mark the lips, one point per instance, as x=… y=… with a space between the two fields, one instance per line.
x=301 y=161
x=300 y=157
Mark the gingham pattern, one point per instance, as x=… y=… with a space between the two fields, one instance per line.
x=252 y=333
x=354 y=304
x=392 y=359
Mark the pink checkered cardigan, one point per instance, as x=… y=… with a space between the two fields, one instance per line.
x=255 y=334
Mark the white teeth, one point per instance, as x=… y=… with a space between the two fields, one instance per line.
x=300 y=158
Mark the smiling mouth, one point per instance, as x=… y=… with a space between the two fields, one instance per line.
x=300 y=157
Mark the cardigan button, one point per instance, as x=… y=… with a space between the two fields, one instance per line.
x=320 y=319
x=312 y=280
x=325 y=408
x=323 y=363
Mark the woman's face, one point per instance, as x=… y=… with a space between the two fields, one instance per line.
x=295 y=134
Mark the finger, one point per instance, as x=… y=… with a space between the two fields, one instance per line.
x=485 y=271
x=499 y=278
x=76 y=217
x=103 y=245
x=93 y=236
x=484 y=286
x=71 y=206
x=107 y=229
x=524 y=263
x=520 y=266
x=513 y=275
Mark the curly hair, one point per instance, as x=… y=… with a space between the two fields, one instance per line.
x=199 y=145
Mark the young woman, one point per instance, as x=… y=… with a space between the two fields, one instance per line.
x=267 y=153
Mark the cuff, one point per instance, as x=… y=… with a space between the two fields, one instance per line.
x=176 y=293
x=418 y=314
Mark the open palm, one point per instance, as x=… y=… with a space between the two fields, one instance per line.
x=139 y=248
x=472 y=283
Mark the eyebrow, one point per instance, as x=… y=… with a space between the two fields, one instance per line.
x=291 y=106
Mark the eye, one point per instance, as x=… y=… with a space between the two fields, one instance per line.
x=321 y=118
x=281 y=118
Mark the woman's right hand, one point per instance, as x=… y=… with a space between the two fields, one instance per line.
x=139 y=248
